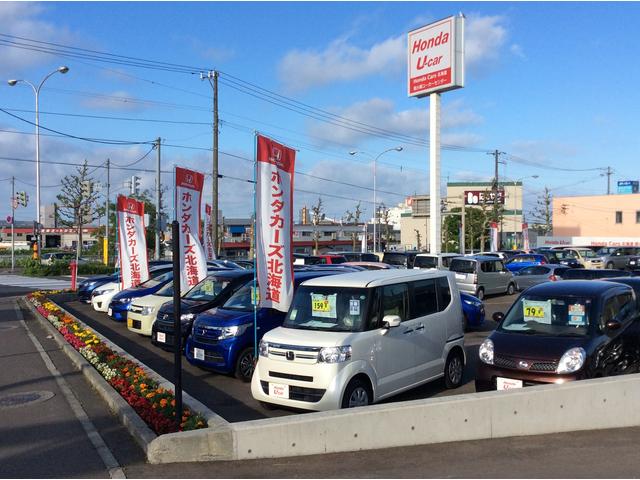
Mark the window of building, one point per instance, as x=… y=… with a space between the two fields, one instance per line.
x=618 y=217
x=637 y=216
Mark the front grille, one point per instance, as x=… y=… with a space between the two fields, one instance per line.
x=544 y=366
x=504 y=362
x=302 y=394
x=512 y=363
x=290 y=376
x=135 y=309
x=213 y=357
x=166 y=322
x=205 y=339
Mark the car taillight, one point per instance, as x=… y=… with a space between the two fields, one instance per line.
x=553 y=278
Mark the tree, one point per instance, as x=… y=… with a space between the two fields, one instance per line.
x=385 y=216
x=355 y=218
x=317 y=216
x=542 y=214
x=418 y=239
x=78 y=201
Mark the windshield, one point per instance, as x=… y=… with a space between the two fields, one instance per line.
x=587 y=253
x=558 y=316
x=331 y=309
x=208 y=289
x=426 y=262
x=241 y=300
x=563 y=254
x=462 y=266
x=166 y=291
x=154 y=282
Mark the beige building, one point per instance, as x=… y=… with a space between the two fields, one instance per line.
x=597 y=216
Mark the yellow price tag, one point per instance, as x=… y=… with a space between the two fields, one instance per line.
x=320 y=305
x=534 y=312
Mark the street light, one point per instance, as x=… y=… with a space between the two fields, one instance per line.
x=375 y=203
x=515 y=182
x=36 y=90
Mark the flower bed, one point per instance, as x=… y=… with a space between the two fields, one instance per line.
x=154 y=404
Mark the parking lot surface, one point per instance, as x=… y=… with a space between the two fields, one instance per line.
x=231 y=398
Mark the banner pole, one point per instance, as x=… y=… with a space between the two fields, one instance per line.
x=177 y=330
x=255 y=247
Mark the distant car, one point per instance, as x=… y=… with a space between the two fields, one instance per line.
x=560 y=332
x=482 y=276
x=617 y=257
x=369 y=265
x=561 y=257
x=400 y=259
x=591 y=274
x=511 y=253
x=441 y=261
x=633 y=263
x=472 y=311
x=86 y=287
x=358 y=256
x=535 y=274
x=318 y=259
x=524 y=260
x=586 y=256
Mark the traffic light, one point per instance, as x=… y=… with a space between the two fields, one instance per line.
x=22 y=198
x=135 y=185
x=87 y=188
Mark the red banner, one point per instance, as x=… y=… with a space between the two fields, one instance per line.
x=193 y=262
x=132 y=243
x=274 y=223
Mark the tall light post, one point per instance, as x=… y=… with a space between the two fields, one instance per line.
x=36 y=90
x=375 y=200
x=515 y=184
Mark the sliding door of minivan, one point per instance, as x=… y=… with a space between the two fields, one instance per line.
x=394 y=353
x=431 y=329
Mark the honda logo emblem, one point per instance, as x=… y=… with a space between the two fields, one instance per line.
x=523 y=365
x=290 y=355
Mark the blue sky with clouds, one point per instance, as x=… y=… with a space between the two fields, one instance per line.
x=551 y=84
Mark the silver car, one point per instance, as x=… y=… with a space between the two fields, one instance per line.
x=441 y=261
x=535 y=274
x=617 y=257
x=482 y=276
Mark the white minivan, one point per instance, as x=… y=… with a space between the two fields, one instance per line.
x=354 y=339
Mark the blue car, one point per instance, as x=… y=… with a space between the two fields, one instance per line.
x=519 y=262
x=222 y=339
x=121 y=301
x=472 y=310
x=86 y=287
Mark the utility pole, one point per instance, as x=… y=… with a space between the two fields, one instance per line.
x=609 y=173
x=463 y=233
x=212 y=76
x=13 y=221
x=496 y=154
x=157 y=250
x=106 y=228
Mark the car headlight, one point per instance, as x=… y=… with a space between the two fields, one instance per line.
x=234 y=331
x=486 y=351
x=186 y=317
x=125 y=300
x=572 y=360
x=147 y=310
x=263 y=350
x=102 y=292
x=335 y=354
x=472 y=303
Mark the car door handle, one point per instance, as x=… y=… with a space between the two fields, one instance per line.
x=421 y=327
x=408 y=331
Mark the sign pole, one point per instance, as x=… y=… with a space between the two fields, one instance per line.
x=177 y=332
x=13 y=221
x=435 y=233
x=255 y=298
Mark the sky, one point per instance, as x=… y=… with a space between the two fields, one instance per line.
x=552 y=85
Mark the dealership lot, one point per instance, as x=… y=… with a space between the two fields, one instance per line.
x=231 y=398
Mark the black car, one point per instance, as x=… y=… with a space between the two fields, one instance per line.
x=560 y=257
x=562 y=331
x=633 y=263
x=400 y=259
x=593 y=274
x=358 y=256
x=215 y=288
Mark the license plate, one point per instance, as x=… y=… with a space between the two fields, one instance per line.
x=198 y=354
x=279 y=390
x=161 y=337
x=129 y=322
x=109 y=312
x=508 y=383
x=460 y=276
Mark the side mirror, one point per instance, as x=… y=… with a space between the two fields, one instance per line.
x=613 y=325
x=390 y=321
x=498 y=317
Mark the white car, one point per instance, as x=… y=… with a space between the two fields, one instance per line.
x=101 y=296
x=354 y=339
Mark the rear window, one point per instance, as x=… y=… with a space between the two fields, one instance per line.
x=395 y=258
x=425 y=262
x=337 y=260
x=369 y=257
x=462 y=266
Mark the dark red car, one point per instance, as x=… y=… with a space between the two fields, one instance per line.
x=557 y=332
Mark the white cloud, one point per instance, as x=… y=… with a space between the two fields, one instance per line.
x=24 y=19
x=413 y=122
x=342 y=61
x=517 y=50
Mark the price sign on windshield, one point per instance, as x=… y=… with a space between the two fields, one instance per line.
x=536 y=311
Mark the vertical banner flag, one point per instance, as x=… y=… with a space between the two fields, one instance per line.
x=493 y=237
x=363 y=239
x=207 y=237
x=525 y=237
x=132 y=251
x=274 y=223
x=193 y=262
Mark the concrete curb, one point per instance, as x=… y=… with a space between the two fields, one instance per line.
x=154 y=446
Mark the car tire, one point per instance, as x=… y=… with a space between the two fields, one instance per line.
x=454 y=369
x=480 y=293
x=357 y=394
x=245 y=365
x=511 y=289
x=610 y=266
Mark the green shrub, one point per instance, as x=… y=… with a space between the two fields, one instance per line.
x=94 y=268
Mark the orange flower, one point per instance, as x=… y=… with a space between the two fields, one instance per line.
x=173 y=402
x=150 y=395
x=163 y=402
